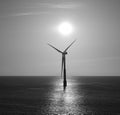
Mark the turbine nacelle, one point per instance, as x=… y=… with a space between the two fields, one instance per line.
x=65 y=53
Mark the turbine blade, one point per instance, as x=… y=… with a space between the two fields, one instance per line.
x=55 y=48
x=69 y=46
x=62 y=66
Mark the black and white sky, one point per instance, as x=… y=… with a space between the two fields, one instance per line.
x=26 y=26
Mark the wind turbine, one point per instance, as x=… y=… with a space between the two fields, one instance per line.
x=63 y=66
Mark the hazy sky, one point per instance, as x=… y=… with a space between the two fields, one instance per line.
x=26 y=26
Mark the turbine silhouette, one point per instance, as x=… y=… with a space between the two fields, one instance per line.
x=63 y=65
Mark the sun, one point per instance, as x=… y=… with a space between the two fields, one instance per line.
x=65 y=28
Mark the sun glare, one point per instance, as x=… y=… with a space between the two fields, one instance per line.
x=65 y=28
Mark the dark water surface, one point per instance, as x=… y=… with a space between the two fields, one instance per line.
x=45 y=96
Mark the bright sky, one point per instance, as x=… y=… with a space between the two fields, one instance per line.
x=26 y=26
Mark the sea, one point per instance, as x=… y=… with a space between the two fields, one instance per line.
x=45 y=95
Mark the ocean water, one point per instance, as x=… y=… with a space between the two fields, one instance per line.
x=45 y=95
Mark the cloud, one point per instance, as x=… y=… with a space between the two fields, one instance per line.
x=24 y=14
x=29 y=13
x=65 y=5
x=62 y=6
x=41 y=8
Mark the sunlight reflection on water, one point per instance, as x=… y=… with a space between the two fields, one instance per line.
x=65 y=101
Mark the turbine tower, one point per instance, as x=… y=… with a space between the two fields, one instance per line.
x=63 y=66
